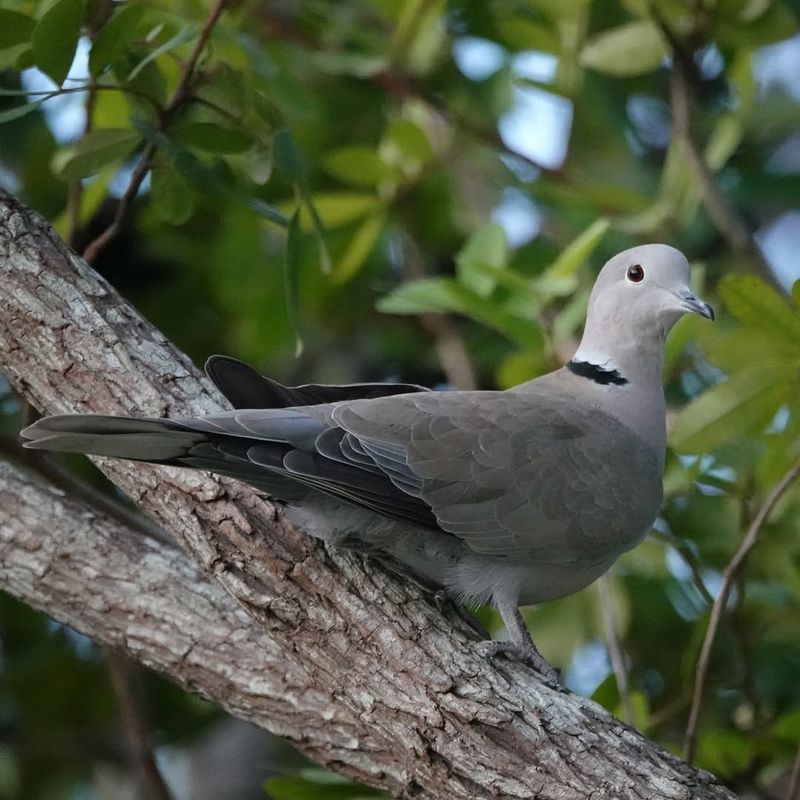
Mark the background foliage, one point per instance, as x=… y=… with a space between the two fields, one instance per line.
x=424 y=190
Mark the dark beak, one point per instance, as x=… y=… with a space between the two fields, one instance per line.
x=692 y=303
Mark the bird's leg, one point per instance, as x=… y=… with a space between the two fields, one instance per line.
x=521 y=645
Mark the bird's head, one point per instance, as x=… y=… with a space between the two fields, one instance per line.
x=638 y=296
x=649 y=285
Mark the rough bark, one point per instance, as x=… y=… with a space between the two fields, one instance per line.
x=358 y=669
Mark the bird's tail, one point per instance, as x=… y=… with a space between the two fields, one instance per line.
x=158 y=440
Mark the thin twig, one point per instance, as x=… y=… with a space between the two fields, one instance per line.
x=794 y=779
x=124 y=679
x=143 y=166
x=450 y=346
x=75 y=189
x=718 y=609
x=685 y=552
x=614 y=645
x=94 y=248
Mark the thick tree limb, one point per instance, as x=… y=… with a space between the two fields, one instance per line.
x=131 y=592
x=359 y=670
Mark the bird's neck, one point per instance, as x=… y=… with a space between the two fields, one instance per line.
x=625 y=380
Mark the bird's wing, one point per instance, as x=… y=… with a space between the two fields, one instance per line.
x=244 y=387
x=518 y=475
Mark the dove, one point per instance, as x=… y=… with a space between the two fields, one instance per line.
x=512 y=497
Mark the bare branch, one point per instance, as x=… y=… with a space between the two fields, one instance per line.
x=356 y=667
x=145 y=162
x=723 y=215
x=616 y=656
x=718 y=609
x=794 y=778
x=124 y=679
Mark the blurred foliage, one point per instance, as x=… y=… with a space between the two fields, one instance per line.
x=332 y=171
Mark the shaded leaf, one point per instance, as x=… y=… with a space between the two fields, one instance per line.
x=55 y=38
x=292 y=262
x=19 y=111
x=114 y=36
x=211 y=138
x=15 y=28
x=287 y=158
x=775 y=23
x=631 y=49
x=196 y=174
x=99 y=147
x=171 y=195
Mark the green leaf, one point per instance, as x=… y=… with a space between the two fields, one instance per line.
x=440 y=295
x=631 y=49
x=99 y=147
x=519 y=367
x=559 y=278
x=55 y=38
x=775 y=23
x=340 y=208
x=740 y=405
x=734 y=349
x=287 y=158
x=358 y=166
x=317 y=784
x=211 y=138
x=292 y=263
x=723 y=141
x=19 y=111
x=114 y=36
x=487 y=247
x=185 y=34
x=796 y=294
x=289 y=162
x=361 y=245
x=15 y=28
x=406 y=144
x=171 y=195
x=753 y=302
x=726 y=752
x=197 y=174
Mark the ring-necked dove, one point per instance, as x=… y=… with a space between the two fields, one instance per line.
x=511 y=497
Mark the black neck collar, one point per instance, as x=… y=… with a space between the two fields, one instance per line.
x=595 y=373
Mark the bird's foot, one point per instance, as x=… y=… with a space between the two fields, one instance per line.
x=527 y=654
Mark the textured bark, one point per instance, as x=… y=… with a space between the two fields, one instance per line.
x=358 y=669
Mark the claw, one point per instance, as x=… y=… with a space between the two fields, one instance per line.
x=527 y=655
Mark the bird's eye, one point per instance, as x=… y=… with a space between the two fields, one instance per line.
x=635 y=273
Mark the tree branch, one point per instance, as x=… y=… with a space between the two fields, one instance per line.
x=723 y=215
x=718 y=609
x=355 y=667
x=145 y=162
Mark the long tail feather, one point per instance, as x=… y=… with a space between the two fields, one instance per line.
x=120 y=437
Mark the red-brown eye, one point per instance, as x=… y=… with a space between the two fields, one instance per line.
x=635 y=274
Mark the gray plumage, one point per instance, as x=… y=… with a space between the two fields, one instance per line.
x=513 y=497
